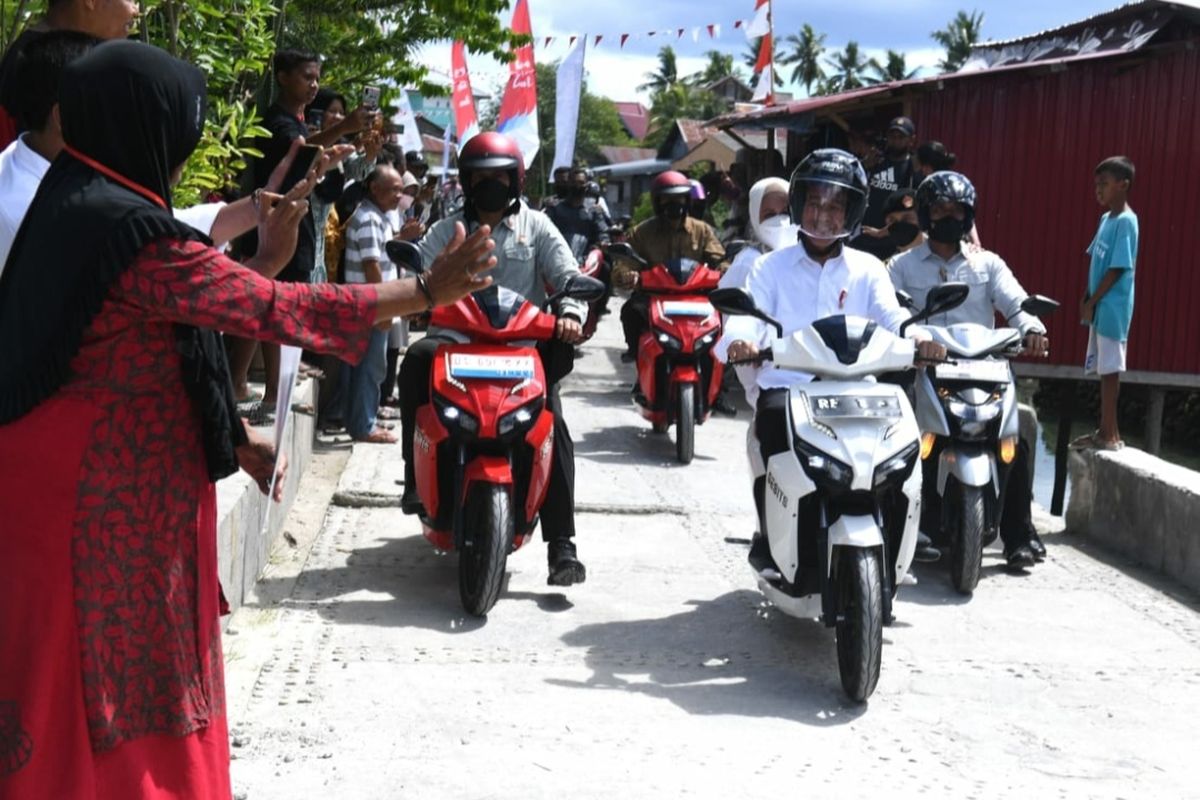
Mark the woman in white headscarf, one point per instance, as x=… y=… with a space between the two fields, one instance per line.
x=770 y=229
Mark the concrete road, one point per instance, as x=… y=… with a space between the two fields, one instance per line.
x=356 y=674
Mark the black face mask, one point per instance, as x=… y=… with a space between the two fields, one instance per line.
x=901 y=233
x=576 y=192
x=560 y=191
x=947 y=230
x=674 y=211
x=898 y=154
x=490 y=196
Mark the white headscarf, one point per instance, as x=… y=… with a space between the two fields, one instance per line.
x=757 y=192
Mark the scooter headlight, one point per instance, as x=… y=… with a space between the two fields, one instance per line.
x=454 y=418
x=823 y=468
x=669 y=342
x=521 y=420
x=985 y=412
x=898 y=467
x=706 y=341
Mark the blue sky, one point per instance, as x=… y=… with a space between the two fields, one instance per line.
x=876 y=25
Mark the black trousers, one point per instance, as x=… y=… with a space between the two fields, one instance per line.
x=774 y=436
x=1016 y=496
x=635 y=319
x=558 y=511
x=389 y=383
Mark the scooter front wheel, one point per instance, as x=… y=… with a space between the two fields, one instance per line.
x=481 y=564
x=685 y=424
x=966 y=549
x=859 y=620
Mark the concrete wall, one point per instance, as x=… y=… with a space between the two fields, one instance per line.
x=242 y=545
x=1140 y=506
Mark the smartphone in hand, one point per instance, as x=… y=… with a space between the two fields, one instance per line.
x=370 y=97
x=306 y=159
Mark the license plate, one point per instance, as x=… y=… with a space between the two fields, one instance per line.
x=985 y=371
x=852 y=406
x=469 y=365
x=687 y=308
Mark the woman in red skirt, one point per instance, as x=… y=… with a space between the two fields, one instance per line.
x=115 y=418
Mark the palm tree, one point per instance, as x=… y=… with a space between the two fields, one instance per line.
x=667 y=74
x=720 y=65
x=807 y=48
x=957 y=37
x=847 y=69
x=894 y=70
x=750 y=59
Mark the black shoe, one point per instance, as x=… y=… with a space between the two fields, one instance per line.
x=926 y=553
x=1020 y=557
x=760 y=554
x=565 y=568
x=410 y=501
x=724 y=407
x=1035 y=545
x=628 y=357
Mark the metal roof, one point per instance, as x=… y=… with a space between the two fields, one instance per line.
x=1137 y=6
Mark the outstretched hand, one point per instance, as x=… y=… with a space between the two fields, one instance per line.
x=278 y=228
x=456 y=272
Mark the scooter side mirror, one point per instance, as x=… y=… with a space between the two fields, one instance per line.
x=734 y=247
x=624 y=250
x=940 y=299
x=735 y=302
x=406 y=255
x=1039 y=305
x=905 y=300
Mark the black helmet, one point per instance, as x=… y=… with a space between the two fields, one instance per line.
x=839 y=173
x=592 y=189
x=942 y=186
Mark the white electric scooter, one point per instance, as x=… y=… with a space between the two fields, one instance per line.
x=843 y=501
x=967 y=411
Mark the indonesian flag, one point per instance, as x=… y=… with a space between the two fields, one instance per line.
x=765 y=69
x=761 y=24
x=465 y=121
x=518 y=108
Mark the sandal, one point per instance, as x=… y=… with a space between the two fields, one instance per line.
x=1112 y=445
x=1085 y=442
x=253 y=397
x=377 y=437
x=304 y=408
x=386 y=412
x=261 y=414
x=309 y=371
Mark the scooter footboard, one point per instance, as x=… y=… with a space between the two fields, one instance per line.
x=969 y=466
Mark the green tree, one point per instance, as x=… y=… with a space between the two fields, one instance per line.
x=720 y=65
x=957 y=37
x=807 y=47
x=667 y=74
x=846 y=69
x=895 y=69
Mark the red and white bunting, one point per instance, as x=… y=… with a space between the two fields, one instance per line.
x=597 y=42
x=712 y=31
x=624 y=39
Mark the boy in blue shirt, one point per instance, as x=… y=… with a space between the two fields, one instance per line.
x=1108 y=305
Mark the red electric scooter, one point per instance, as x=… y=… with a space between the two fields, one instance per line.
x=678 y=376
x=483 y=443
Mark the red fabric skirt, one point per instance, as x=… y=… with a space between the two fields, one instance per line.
x=45 y=748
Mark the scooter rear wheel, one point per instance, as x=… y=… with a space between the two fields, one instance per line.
x=859 y=621
x=685 y=424
x=489 y=520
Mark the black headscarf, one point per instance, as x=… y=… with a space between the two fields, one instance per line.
x=130 y=115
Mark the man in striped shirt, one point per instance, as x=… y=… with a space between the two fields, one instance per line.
x=366 y=262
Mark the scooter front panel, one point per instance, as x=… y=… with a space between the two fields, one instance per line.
x=787 y=484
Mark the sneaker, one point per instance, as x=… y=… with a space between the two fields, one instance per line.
x=410 y=501
x=628 y=357
x=722 y=406
x=565 y=567
x=926 y=553
x=1020 y=557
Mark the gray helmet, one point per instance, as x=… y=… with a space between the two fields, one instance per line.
x=839 y=175
x=942 y=186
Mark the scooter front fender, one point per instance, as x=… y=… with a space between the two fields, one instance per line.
x=970 y=466
x=853 y=532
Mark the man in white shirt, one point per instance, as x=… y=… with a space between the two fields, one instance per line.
x=819 y=277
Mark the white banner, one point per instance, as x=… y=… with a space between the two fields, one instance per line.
x=410 y=137
x=566 y=113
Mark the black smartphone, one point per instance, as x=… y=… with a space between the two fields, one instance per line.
x=306 y=159
x=370 y=97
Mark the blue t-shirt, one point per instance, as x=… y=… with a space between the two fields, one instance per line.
x=1115 y=247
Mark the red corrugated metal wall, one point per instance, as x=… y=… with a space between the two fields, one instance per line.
x=1029 y=142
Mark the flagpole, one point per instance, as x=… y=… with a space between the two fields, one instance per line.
x=771 y=88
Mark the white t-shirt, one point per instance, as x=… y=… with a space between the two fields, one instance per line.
x=21 y=172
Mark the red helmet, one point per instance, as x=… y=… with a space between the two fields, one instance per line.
x=492 y=150
x=671 y=183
